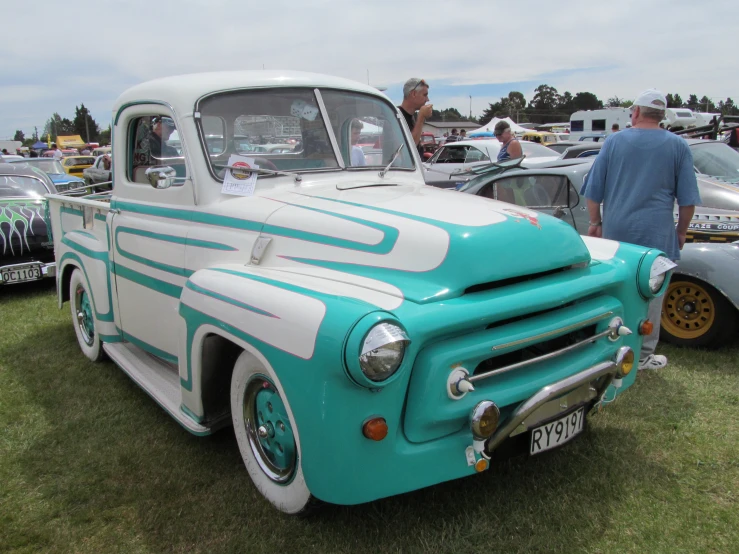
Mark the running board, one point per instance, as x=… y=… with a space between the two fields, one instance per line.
x=159 y=380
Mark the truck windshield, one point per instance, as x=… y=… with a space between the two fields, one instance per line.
x=286 y=129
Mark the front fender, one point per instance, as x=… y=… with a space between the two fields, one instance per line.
x=715 y=264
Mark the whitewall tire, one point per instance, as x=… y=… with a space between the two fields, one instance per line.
x=83 y=317
x=267 y=436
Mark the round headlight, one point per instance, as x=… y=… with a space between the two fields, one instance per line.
x=382 y=351
x=654 y=270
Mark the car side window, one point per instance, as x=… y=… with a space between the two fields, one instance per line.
x=533 y=191
x=152 y=144
x=452 y=155
x=475 y=155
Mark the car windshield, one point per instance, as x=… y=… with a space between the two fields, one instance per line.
x=51 y=166
x=80 y=161
x=716 y=159
x=18 y=185
x=285 y=129
x=534 y=150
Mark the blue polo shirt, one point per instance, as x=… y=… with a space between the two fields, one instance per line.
x=638 y=175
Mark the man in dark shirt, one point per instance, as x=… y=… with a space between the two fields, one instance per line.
x=415 y=96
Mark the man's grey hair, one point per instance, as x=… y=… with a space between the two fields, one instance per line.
x=411 y=85
x=652 y=113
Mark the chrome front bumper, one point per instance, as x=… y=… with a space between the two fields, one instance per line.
x=585 y=378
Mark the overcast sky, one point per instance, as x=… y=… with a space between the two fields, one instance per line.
x=57 y=55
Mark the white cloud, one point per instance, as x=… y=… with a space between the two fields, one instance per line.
x=676 y=45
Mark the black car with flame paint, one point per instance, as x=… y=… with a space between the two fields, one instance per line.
x=26 y=250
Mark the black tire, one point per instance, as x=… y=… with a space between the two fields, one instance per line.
x=695 y=314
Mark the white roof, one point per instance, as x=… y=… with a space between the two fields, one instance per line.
x=489 y=127
x=182 y=91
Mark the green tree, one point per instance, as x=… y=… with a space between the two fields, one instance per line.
x=614 y=102
x=705 y=105
x=545 y=98
x=84 y=124
x=674 y=100
x=56 y=125
x=586 y=101
x=728 y=107
x=19 y=136
x=626 y=103
x=692 y=102
x=565 y=102
x=104 y=136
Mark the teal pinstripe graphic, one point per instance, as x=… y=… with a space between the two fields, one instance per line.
x=176 y=239
x=83 y=233
x=98 y=255
x=149 y=348
x=101 y=317
x=390 y=234
x=192 y=286
x=181 y=271
x=71 y=211
x=330 y=330
x=101 y=217
x=192 y=415
x=149 y=282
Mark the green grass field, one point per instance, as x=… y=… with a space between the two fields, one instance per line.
x=89 y=463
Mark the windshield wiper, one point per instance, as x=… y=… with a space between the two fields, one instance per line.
x=392 y=161
x=298 y=178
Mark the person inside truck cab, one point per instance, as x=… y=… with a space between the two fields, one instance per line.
x=357 y=155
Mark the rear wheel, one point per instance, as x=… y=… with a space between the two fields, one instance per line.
x=83 y=317
x=267 y=436
x=695 y=314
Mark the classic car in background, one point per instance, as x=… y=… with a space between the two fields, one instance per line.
x=98 y=172
x=715 y=158
x=26 y=252
x=702 y=302
x=571 y=149
x=62 y=180
x=459 y=156
x=75 y=165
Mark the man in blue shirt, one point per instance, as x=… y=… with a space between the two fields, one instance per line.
x=638 y=176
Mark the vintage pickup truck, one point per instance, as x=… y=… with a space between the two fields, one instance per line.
x=365 y=334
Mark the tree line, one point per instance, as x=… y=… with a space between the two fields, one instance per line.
x=549 y=106
x=83 y=124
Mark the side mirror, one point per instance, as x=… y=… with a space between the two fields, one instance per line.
x=161 y=177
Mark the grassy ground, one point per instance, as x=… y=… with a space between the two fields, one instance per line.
x=88 y=463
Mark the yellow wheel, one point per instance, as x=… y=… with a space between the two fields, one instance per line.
x=696 y=314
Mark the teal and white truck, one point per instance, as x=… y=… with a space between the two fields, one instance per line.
x=363 y=333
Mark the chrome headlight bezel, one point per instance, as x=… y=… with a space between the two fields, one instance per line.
x=649 y=286
x=375 y=337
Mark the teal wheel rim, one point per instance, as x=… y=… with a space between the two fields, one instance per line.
x=268 y=427
x=83 y=311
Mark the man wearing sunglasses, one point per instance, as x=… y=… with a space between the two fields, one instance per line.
x=637 y=177
x=415 y=98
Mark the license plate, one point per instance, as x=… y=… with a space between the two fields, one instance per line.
x=21 y=273
x=557 y=432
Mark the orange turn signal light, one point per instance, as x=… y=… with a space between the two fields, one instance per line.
x=375 y=428
x=646 y=327
x=481 y=465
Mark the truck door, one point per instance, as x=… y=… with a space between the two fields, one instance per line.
x=149 y=229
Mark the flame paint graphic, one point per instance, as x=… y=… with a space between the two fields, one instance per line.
x=19 y=215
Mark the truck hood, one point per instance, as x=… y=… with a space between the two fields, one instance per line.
x=421 y=243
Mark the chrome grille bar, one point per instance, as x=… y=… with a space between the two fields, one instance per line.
x=549 y=356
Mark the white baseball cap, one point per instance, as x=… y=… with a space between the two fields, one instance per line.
x=651 y=98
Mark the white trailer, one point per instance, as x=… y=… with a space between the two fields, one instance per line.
x=585 y=122
x=10 y=145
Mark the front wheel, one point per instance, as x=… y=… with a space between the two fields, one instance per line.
x=83 y=317
x=267 y=436
x=695 y=314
